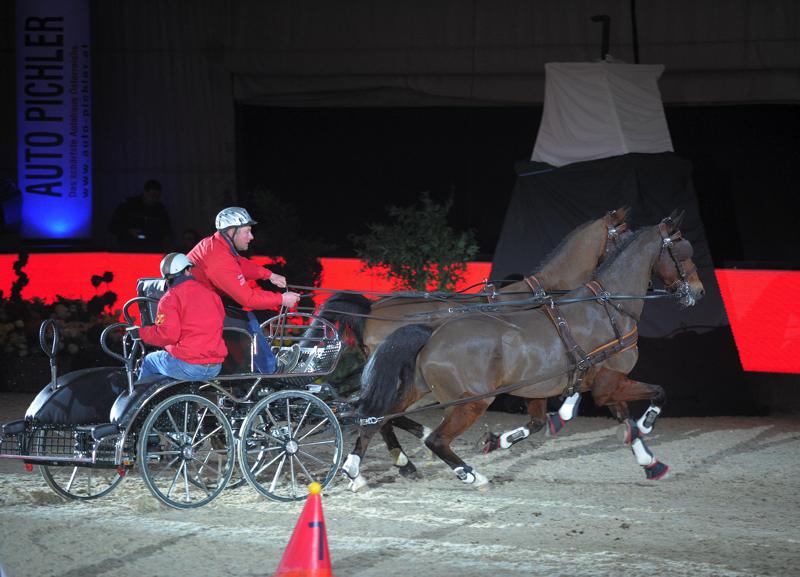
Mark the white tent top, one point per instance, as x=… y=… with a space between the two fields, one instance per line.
x=600 y=109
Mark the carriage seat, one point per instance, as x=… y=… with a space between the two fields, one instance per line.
x=12 y=428
x=152 y=288
x=83 y=397
x=126 y=403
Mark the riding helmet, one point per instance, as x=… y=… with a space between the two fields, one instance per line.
x=174 y=264
x=233 y=216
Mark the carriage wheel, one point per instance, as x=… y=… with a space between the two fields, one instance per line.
x=81 y=483
x=186 y=451
x=237 y=479
x=71 y=482
x=288 y=440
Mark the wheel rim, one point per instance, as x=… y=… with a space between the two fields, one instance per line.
x=288 y=440
x=186 y=451
x=81 y=483
x=72 y=482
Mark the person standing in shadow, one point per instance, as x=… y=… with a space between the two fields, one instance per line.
x=141 y=223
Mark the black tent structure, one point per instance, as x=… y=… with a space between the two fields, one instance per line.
x=628 y=162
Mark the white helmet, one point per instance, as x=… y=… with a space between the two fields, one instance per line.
x=233 y=216
x=174 y=264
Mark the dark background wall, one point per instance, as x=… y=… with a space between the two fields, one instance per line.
x=352 y=162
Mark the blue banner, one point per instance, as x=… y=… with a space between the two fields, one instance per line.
x=54 y=118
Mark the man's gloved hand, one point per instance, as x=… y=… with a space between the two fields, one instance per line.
x=278 y=280
x=289 y=299
x=134 y=333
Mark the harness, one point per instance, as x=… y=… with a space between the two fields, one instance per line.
x=581 y=360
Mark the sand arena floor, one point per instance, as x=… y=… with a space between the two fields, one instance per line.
x=576 y=505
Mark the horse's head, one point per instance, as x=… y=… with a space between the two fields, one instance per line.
x=617 y=230
x=674 y=264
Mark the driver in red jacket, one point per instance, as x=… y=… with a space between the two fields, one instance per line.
x=219 y=264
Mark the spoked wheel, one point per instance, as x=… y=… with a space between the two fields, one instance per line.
x=237 y=479
x=288 y=440
x=186 y=451
x=72 y=482
x=81 y=483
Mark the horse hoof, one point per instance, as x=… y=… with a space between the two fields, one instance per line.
x=357 y=484
x=408 y=470
x=481 y=483
x=655 y=471
x=554 y=424
x=628 y=432
x=491 y=442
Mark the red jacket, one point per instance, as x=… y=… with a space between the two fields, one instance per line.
x=189 y=323
x=217 y=264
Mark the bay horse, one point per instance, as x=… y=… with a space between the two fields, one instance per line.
x=466 y=361
x=569 y=265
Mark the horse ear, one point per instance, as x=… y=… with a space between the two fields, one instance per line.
x=621 y=214
x=617 y=216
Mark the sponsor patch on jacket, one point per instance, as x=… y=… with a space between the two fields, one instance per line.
x=240 y=276
x=160 y=318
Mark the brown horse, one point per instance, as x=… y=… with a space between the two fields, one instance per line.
x=569 y=265
x=467 y=361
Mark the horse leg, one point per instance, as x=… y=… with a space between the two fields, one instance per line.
x=456 y=420
x=567 y=411
x=399 y=456
x=352 y=465
x=537 y=409
x=615 y=389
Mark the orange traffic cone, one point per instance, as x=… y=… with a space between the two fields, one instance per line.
x=306 y=555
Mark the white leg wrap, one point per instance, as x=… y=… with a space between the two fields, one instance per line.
x=352 y=466
x=352 y=469
x=514 y=436
x=399 y=457
x=569 y=407
x=643 y=455
x=646 y=421
x=470 y=476
x=426 y=432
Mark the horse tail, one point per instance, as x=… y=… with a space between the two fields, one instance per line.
x=390 y=370
x=348 y=311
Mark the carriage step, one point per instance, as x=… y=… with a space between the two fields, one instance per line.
x=105 y=430
x=13 y=428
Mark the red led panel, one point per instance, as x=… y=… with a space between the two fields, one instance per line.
x=69 y=274
x=763 y=308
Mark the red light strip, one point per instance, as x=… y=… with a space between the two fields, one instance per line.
x=763 y=306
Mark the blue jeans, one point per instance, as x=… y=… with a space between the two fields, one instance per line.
x=163 y=363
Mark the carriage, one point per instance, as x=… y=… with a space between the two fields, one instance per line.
x=87 y=429
x=284 y=429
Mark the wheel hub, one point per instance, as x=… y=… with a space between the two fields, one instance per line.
x=187 y=452
x=291 y=447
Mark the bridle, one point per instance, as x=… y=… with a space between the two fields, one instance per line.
x=680 y=286
x=614 y=236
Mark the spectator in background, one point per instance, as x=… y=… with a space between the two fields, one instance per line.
x=188 y=240
x=142 y=222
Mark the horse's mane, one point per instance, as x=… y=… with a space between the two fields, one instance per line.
x=561 y=244
x=616 y=254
